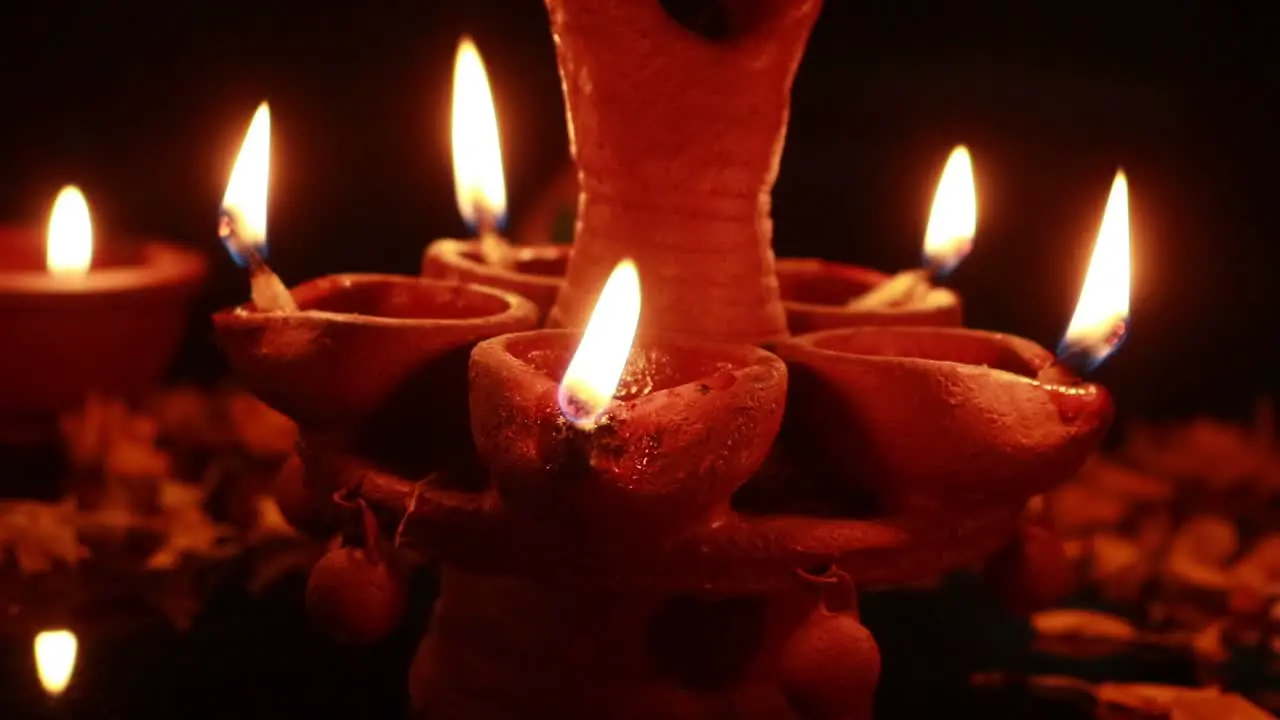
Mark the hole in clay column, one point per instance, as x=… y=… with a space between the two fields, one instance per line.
x=708 y=18
x=706 y=645
x=718 y=20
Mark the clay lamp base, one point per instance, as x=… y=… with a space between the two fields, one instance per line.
x=113 y=330
x=933 y=419
x=690 y=423
x=816 y=293
x=375 y=364
x=537 y=275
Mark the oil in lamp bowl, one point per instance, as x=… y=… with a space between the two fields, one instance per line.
x=815 y=293
x=359 y=341
x=931 y=418
x=113 y=330
x=537 y=275
x=691 y=422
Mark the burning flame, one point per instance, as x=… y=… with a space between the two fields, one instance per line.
x=1101 y=320
x=953 y=220
x=593 y=374
x=69 y=248
x=477 y=151
x=243 y=225
x=55 y=659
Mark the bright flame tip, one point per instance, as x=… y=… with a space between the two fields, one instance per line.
x=69 y=244
x=591 y=380
x=479 y=180
x=55 y=655
x=242 y=224
x=1100 y=322
x=953 y=218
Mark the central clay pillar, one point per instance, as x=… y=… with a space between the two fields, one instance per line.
x=677 y=139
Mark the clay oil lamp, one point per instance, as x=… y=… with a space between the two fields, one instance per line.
x=374 y=360
x=648 y=435
x=534 y=271
x=823 y=295
x=83 y=318
x=934 y=418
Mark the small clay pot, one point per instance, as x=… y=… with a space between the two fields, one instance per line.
x=927 y=418
x=360 y=342
x=692 y=422
x=112 y=331
x=538 y=273
x=815 y=294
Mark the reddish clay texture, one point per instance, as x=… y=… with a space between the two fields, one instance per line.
x=677 y=141
x=362 y=342
x=538 y=274
x=112 y=331
x=1032 y=572
x=815 y=294
x=935 y=418
x=691 y=423
x=503 y=647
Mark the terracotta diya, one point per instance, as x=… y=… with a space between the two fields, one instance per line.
x=820 y=295
x=375 y=362
x=84 y=319
x=487 y=259
x=597 y=559
x=931 y=418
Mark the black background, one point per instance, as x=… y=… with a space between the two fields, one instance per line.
x=145 y=103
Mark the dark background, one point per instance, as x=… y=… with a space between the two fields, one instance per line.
x=145 y=103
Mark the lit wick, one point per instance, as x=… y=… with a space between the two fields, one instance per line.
x=266 y=289
x=242 y=219
x=947 y=239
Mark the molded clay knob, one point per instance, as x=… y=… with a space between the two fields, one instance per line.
x=829 y=667
x=353 y=598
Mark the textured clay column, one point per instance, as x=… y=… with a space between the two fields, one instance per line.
x=677 y=139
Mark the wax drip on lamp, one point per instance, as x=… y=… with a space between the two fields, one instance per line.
x=591 y=380
x=55 y=654
x=477 y=155
x=69 y=248
x=242 y=219
x=948 y=238
x=1101 y=319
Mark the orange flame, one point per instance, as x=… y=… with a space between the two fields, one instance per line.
x=55 y=652
x=477 y=150
x=953 y=219
x=1101 y=318
x=69 y=247
x=245 y=203
x=591 y=380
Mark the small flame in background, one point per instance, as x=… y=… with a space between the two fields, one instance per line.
x=243 y=223
x=69 y=247
x=953 y=219
x=55 y=652
x=477 y=151
x=593 y=374
x=1101 y=319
